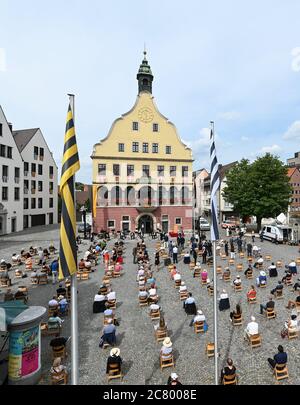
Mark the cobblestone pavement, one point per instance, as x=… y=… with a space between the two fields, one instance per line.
x=135 y=335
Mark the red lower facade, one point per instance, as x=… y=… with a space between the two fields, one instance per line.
x=167 y=218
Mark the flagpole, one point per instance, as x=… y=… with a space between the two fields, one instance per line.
x=74 y=306
x=215 y=301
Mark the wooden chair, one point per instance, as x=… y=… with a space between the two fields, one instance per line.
x=231 y=262
x=210 y=290
x=237 y=320
x=263 y=285
x=219 y=270
x=270 y=313
x=278 y=294
x=143 y=301
x=18 y=273
x=250 y=259
x=192 y=265
x=84 y=275
x=183 y=295
x=112 y=304
x=251 y=300
x=177 y=283
x=226 y=277
x=297 y=307
x=255 y=340
x=293 y=334
x=210 y=349
x=155 y=314
x=260 y=266
x=114 y=371
x=298 y=261
x=197 y=272
x=43 y=279
x=281 y=372
x=52 y=310
x=223 y=256
x=161 y=334
x=242 y=255
x=203 y=282
x=239 y=267
x=166 y=361
x=5 y=282
x=116 y=274
x=268 y=258
x=34 y=280
x=230 y=379
x=237 y=288
x=279 y=264
x=59 y=351
x=288 y=282
x=58 y=378
x=199 y=327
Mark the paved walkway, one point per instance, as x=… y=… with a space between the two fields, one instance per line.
x=135 y=335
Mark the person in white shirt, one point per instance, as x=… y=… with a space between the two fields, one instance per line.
x=260 y=261
x=252 y=328
x=99 y=297
x=182 y=287
x=154 y=307
x=199 y=317
x=15 y=258
x=111 y=296
x=237 y=281
x=86 y=255
x=177 y=277
x=175 y=254
x=152 y=292
x=143 y=294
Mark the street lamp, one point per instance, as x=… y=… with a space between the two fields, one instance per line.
x=83 y=210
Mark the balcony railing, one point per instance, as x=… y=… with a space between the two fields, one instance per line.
x=41 y=157
x=33 y=191
x=51 y=191
x=25 y=172
x=25 y=190
x=51 y=176
x=17 y=180
x=4 y=179
x=33 y=174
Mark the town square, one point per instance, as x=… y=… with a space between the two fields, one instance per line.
x=150 y=197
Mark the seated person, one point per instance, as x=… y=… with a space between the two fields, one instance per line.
x=59 y=341
x=173 y=380
x=226 y=273
x=292 y=324
x=260 y=261
x=249 y=270
x=114 y=358
x=108 y=334
x=99 y=303
x=118 y=268
x=197 y=269
x=81 y=265
x=292 y=267
x=251 y=294
x=88 y=265
x=235 y=314
x=292 y=304
x=183 y=287
x=53 y=303
x=166 y=352
x=177 y=277
x=46 y=269
x=4 y=265
x=8 y=296
x=61 y=290
x=204 y=275
x=280 y=358
x=186 y=258
x=103 y=290
x=279 y=287
x=21 y=294
x=272 y=270
x=228 y=370
x=16 y=259
x=111 y=296
x=54 y=321
x=251 y=329
x=262 y=279
x=162 y=327
x=189 y=305
x=173 y=272
x=154 y=307
x=224 y=301
x=237 y=281
x=198 y=318
x=153 y=297
x=297 y=285
x=57 y=368
x=62 y=305
x=143 y=294
x=33 y=275
x=288 y=277
x=269 y=305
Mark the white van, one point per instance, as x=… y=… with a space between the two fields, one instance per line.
x=277 y=233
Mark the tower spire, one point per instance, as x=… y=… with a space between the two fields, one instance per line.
x=145 y=76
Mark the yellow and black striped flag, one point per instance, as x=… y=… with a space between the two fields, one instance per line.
x=70 y=165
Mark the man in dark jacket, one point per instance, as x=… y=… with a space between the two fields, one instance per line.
x=279 y=358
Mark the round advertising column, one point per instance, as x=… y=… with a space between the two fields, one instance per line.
x=24 y=361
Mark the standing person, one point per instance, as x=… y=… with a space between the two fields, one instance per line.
x=175 y=254
x=134 y=253
x=253 y=236
x=239 y=243
x=166 y=239
x=204 y=255
x=54 y=270
x=226 y=247
x=157 y=261
x=227 y=232
x=261 y=236
x=249 y=249
x=232 y=252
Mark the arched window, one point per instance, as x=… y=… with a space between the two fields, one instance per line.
x=102 y=196
x=172 y=195
x=145 y=82
x=184 y=195
x=130 y=195
x=145 y=196
x=162 y=195
x=116 y=195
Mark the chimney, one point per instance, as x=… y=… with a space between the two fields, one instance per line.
x=10 y=126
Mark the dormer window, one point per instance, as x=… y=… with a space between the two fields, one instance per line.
x=135 y=126
x=155 y=127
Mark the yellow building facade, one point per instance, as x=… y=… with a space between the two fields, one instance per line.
x=142 y=171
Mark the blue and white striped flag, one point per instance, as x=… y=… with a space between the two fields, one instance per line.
x=214 y=186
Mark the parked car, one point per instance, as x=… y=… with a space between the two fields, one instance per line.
x=203 y=224
x=88 y=228
x=229 y=224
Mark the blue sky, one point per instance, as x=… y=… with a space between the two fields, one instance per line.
x=234 y=62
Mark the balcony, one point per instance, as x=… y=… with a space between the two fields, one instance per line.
x=33 y=174
x=145 y=180
x=4 y=179
x=25 y=172
x=51 y=176
x=41 y=157
x=17 y=180
x=25 y=190
x=33 y=191
x=51 y=191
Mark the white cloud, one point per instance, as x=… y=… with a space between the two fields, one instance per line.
x=270 y=149
x=229 y=115
x=200 y=145
x=245 y=138
x=2 y=60
x=293 y=132
x=296 y=59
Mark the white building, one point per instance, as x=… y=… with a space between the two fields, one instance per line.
x=39 y=179
x=11 y=193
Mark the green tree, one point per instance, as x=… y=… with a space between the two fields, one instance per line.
x=79 y=186
x=261 y=188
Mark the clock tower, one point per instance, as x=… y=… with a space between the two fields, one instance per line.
x=145 y=76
